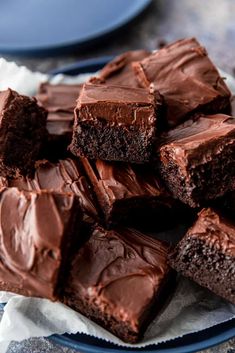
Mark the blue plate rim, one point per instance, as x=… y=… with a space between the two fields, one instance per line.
x=187 y=348
x=135 y=10
x=92 y=65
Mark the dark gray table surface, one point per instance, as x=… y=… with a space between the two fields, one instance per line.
x=212 y=22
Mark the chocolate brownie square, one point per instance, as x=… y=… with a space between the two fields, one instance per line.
x=120 y=279
x=207 y=254
x=186 y=78
x=197 y=160
x=37 y=230
x=119 y=71
x=114 y=123
x=64 y=176
x=130 y=194
x=60 y=101
x=22 y=133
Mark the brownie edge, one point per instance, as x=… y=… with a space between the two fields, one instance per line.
x=206 y=254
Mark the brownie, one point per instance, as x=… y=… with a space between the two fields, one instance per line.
x=60 y=101
x=64 y=176
x=233 y=105
x=114 y=123
x=207 y=254
x=37 y=230
x=197 y=160
x=186 y=78
x=129 y=194
x=119 y=279
x=119 y=71
x=22 y=133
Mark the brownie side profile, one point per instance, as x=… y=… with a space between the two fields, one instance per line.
x=22 y=133
x=120 y=280
x=114 y=123
x=119 y=71
x=186 y=78
x=207 y=254
x=197 y=160
x=60 y=101
x=129 y=194
x=37 y=230
x=233 y=105
x=64 y=176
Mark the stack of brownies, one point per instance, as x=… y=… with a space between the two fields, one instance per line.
x=85 y=170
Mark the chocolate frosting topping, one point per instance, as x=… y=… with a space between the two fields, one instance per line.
x=122 y=180
x=119 y=71
x=209 y=132
x=117 y=104
x=33 y=226
x=58 y=98
x=215 y=230
x=185 y=77
x=120 y=272
x=63 y=176
x=60 y=101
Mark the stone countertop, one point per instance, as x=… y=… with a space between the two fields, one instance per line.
x=212 y=22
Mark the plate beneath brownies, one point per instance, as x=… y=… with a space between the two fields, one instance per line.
x=186 y=344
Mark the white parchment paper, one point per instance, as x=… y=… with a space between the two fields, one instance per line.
x=190 y=309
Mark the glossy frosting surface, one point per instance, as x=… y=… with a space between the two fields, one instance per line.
x=116 y=104
x=122 y=180
x=60 y=101
x=184 y=75
x=198 y=140
x=63 y=176
x=120 y=272
x=120 y=72
x=32 y=229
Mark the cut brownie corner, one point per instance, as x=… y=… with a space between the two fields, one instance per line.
x=22 y=132
x=206 y=254
x=196 y=159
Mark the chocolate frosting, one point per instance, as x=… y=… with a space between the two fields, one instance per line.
x=185 y=77
x=120 y=272
x=58 y=98
x=33 y=228
x=116 y=104
x=197 y=140
x=60 y=101
x=119 y=181
x=119 y=71
x=216 y=231
x=63 y=176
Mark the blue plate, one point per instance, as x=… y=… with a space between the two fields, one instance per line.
x=188 y=343
x=48 y=27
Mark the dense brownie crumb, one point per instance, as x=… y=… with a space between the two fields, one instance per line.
x=22 y=133
x=207 y=254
